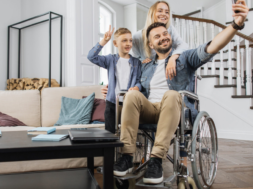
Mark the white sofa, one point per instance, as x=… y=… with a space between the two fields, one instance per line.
x=36 y=110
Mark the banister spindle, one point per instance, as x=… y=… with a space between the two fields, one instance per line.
x=242 y=65
x=205 y=41
x=248 y=69
x=221 y=65
x=213 y=68
x=184 y=30
x=179 y=27
x=229 y=64
x=191 y=35
x=238 y=66
x=177 y=24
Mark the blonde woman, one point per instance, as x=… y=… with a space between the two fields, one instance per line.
x=158 y=12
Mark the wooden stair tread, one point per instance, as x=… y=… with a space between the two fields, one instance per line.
x=242 y=96
x=217 y=68
x=218 y=76
x=226 y=86
x=251 y=107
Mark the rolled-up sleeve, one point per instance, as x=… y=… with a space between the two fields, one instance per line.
x=203 y=55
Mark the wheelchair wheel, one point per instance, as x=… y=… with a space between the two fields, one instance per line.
x=143 y=149
x=204 y=151
x=191 y=182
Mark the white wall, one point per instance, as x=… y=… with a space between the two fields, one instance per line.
x=217 y=12
x=119 y=10
x=35 y=46
x=142 y=13
x=10 y=13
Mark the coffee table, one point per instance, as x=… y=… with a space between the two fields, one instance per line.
x=18 y=146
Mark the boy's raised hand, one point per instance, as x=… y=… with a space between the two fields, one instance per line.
x=107 y=36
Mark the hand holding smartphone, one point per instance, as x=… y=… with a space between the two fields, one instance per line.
x=234 y=2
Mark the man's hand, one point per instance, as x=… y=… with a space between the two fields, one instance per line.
x=104 y=91
x=134 y=88
x=242 y=15
x=224 y=37
x=147 y=60
x=171 y=67
x=107 y=37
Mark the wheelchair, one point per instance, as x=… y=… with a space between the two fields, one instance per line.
x=197 y=139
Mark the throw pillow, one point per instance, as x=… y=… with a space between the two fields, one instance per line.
x=76 y=111
x=6 y=120
x=98 y=110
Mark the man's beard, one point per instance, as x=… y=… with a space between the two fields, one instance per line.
x=163 y=50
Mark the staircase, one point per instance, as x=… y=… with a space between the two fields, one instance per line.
x=232 y=66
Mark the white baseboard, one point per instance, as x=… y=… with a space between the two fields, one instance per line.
x=235 y=135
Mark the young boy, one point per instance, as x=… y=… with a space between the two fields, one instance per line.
x=124 y=71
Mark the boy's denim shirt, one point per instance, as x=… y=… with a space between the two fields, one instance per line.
x=186 y=65
x=109 y=62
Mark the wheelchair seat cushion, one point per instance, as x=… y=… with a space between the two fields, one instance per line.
x=148 y=127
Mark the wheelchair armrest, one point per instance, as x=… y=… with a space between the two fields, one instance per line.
x=189 y=95
x=121 y=93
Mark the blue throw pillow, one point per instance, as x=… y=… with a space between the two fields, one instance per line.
x=76 y=111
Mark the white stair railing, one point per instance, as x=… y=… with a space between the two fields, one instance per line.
x=196 y=31
x=248 y=69
x=238 y=65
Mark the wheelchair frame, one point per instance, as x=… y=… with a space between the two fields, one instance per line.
x=180 y=171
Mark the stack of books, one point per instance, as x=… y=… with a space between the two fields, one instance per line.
x=41 y=130
x=43 y=134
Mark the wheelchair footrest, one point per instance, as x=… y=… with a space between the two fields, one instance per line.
x=131 y=176
x=167 y=183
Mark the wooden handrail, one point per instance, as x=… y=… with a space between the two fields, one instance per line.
x=192 y=13
x=212 y=22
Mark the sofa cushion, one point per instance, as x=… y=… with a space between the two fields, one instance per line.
x=22 y=105
x=6 y=120
x=98 y=111
x=51 y=100
x=76 y=111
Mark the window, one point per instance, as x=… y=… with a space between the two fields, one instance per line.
x=105 y=19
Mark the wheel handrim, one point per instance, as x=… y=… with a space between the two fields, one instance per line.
x=207 y=150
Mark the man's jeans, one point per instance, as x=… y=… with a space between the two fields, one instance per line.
x=166 y=114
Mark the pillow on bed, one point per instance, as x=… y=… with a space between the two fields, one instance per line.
x=98 y=110
x=6 y=120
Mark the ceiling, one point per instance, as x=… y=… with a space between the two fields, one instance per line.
x=176 y=5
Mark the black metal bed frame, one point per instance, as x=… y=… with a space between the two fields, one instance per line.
x=19 y=42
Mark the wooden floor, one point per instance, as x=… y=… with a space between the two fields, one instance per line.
x=235 y=169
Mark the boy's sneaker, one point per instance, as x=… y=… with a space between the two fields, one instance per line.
x=123 y=166
x=154 y=172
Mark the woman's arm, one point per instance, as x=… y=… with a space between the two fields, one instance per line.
x=178 y=44
x=179 y=47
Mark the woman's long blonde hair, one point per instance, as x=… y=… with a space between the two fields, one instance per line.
x=150 y=20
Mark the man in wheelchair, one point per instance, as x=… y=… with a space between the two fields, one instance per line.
x=160 y=102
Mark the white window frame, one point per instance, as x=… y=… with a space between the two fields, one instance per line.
x=113 y=21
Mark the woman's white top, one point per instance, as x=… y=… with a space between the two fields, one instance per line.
x=178 y=44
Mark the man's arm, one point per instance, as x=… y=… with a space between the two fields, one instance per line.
x=224 y=37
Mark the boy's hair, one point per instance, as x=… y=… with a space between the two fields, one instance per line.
x=154 y=25
x=120 y=32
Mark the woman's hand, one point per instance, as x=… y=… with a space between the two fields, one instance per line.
x=147 y=60
x=171 y=67
x=134 y=88
x=104 y=91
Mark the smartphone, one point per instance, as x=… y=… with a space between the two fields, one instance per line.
x=234 y=2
